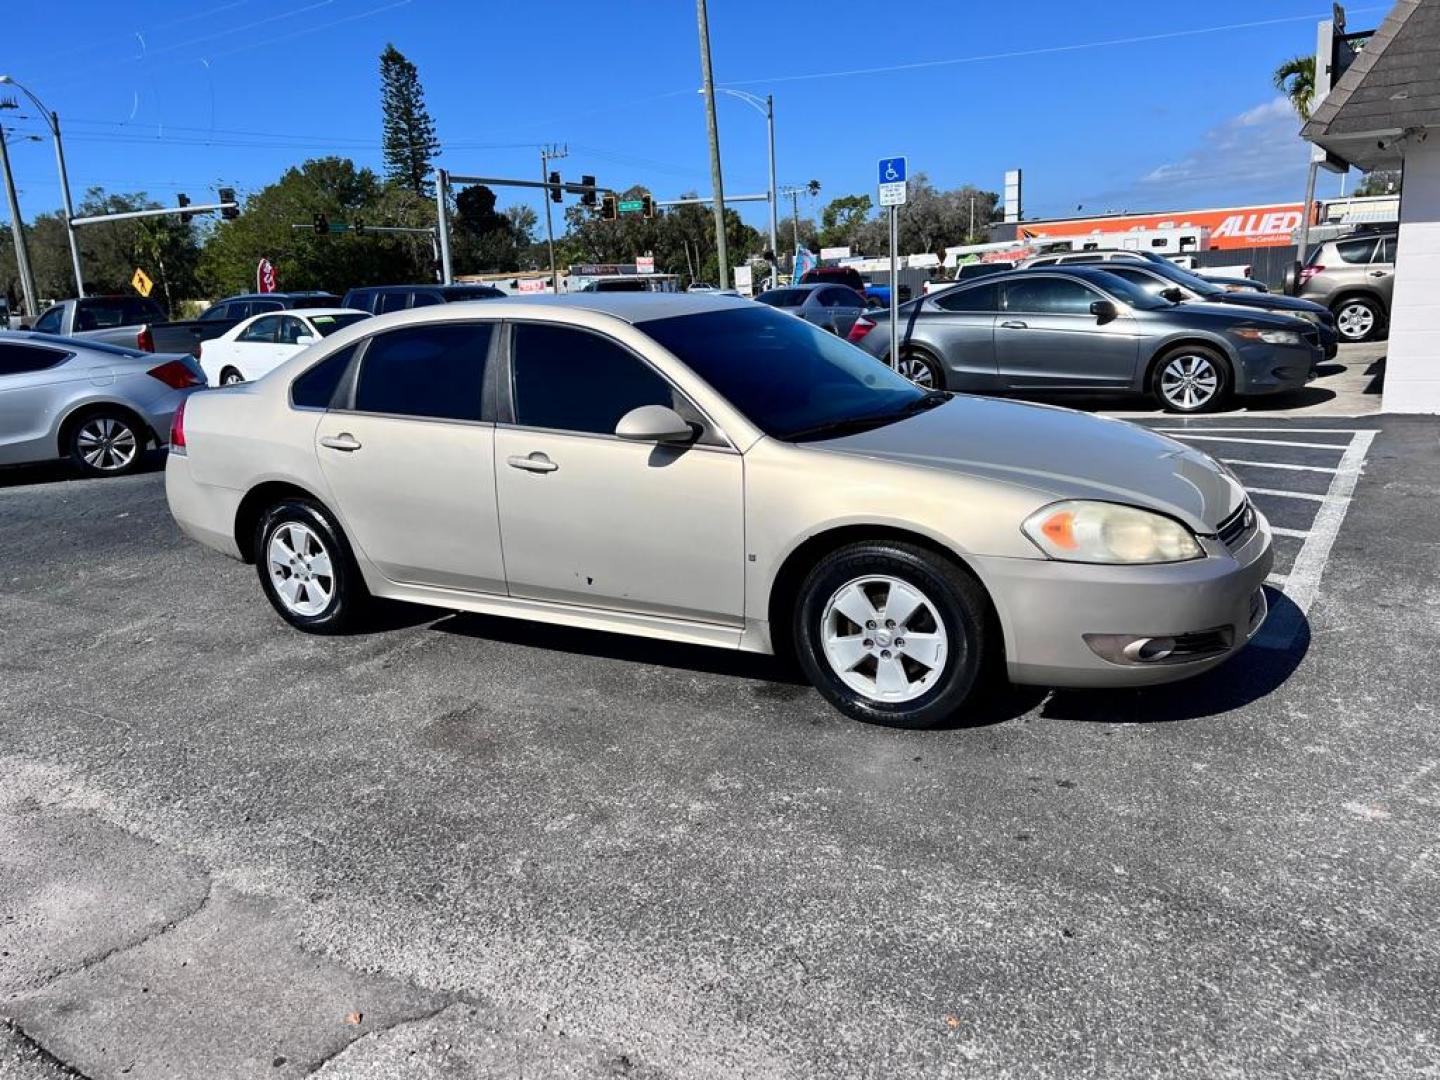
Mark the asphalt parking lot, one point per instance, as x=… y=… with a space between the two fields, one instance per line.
x=468 y=847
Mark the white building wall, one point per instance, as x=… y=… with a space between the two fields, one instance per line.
x=1412 y=363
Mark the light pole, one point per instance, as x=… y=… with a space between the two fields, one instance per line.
x=765 y=105
x=17 y=228
x=707 y=81
x=53 y=120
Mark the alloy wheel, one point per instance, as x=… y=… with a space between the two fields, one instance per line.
x=107 y=444
x=884 y=638
x=1189 y=381
x=917 y=371
x=1355 y=321
x=231 y=377
x=300 y=569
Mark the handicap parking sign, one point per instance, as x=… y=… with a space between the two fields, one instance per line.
x=892 y=170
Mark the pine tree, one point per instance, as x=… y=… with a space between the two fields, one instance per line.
x=409 y=133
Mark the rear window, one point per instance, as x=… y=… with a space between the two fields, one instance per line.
x=315 y=388
x=480 y=292
x=315 y=301
x=784 y=297
x=1356 y=251
x=103 y=313
x=328 y=324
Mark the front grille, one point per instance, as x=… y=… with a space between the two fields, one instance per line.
x=1200 y=644
x=1236 y=529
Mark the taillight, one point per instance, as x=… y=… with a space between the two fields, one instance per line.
x=177 y=430
x=175 y=374
x=144 y=341
x=862 y=327
x=1308 y=272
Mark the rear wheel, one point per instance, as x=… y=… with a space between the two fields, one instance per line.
x=892 y=634
x=1357 y=318
x=106 y=443
x=306 y=569
x=1191 y=379
x=230 y=376
x=922 y=369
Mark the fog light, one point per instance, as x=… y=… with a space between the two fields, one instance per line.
x=1146 y=650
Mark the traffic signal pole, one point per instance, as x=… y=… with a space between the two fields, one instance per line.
x=547 y=153
x=442 y=226
x=707 y=79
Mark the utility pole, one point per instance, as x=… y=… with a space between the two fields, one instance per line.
x=970 y=236
x=548 y=154
x=17 y=230
x=707 y=79
x=52 y=120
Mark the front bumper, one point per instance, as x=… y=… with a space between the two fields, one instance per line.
x=1048 y=608
x=1274 y=369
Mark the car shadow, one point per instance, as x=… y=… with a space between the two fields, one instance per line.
x=1292 y=399
x=1376 y=371
x=60 y=470
x=1254 y=673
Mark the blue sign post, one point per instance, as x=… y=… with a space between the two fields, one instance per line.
x=892 y=197
x=892 y=170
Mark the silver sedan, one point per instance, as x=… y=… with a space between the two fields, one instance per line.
x=99 y=405
x=833 y=307
x=708 y=470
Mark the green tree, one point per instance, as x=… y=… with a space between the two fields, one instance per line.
x=1379 y=182
x=1295 y=78
x=841 y=219
x=483 y=240
x=409 y=138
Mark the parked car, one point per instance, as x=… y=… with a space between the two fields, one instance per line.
x=187 y=335
x=100 y=405
x=380 y=299
x=701 y=287
x=1173 y=283
x=1071 y=258
x=708 y=470
x=1080 y=328
x=1353 y=276
x=967 y=272
x=262 y=343
x=834 y=307
x=111 y=320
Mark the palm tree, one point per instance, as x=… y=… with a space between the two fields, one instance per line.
x=1295 y=78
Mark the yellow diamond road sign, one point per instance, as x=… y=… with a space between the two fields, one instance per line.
x=142 y=282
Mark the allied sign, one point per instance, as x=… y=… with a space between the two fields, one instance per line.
x=1269 y=225
x=892 y=171
x=142 y=283
x=265 y=276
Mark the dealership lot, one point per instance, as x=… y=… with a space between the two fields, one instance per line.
x=463 y=845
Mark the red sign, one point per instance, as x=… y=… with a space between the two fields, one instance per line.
x=1232 y=227
x=265 y=276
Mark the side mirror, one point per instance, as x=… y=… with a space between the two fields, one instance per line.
x=654 y=423
x=1104 y=310
x=306 y=339
x=1172 y=294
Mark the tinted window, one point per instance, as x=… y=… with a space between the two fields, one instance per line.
x=841 y=298
x=263 y=329
x=1049 y=296
x=479 y=292
x=143 y=311
x=106 y=313
x=257 y=306
x=328 y=324
x=573 y=380
x=1141 y=280
x=787 y=375
x=360 y=298
x=1356 y=251
x=784 y=297
x=426 y=299
x=216 y=313
x=1082 y=259
x=323 y=300
x=391 y=301
x=291 y=330
x=19 y=359
x=315 y=388
x=980 y=298
x=1386 y=254
x=52 y=322
x=433 y=371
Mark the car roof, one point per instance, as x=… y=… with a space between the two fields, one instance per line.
x=310 y=312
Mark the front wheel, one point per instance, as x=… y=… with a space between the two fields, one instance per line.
x=1357 y=319
x=1191 y=379
x=892 y=634
x=306 y=569
x=106 y=444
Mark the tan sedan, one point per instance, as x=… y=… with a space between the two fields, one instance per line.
x=708 y=470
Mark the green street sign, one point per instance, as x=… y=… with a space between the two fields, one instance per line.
x=631 y=206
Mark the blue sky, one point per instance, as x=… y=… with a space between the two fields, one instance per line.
x=1113 y=105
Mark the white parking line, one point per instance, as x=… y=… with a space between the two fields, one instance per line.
x=1286 y=494
x=1277 y=465
x=1337 y=447
x=1278 y=531
x=1272 y=430
x=1277 y=579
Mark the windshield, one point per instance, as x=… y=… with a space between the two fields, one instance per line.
x=784 y=297
x=1132 y=294
x=328 y=324
x=789 y=377
x=1181 y=276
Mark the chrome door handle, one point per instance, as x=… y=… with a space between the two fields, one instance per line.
x=1013 y=324
x=344 y=441
x=536 y=462
x=1378 y=273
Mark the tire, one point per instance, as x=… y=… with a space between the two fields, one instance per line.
x=1357 y=319
x=230 y=376
x=297 y=540
x=922 y=369
x=1191 y=379
x=106 y=442
x=922 y=687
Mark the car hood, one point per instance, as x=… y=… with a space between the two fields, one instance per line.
x=1228 y=312
x=1269 y=302
x=1059 y=453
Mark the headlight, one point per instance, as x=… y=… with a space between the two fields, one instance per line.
x=1312 y=317
x=1100 y=532
x=1273 y=337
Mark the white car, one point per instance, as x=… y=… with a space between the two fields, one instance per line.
x=262 y=343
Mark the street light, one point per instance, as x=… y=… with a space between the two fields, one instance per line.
x=53 y=120
x=765 y=105
x=17 y=228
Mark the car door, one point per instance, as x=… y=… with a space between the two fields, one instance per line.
x=842 y=306
x=959 y=326
x=32 y=390
x=1047 y=337
x=1382 y=269
x=287 y=338
x=254 y=349
x=409 y=457
x=592 y=519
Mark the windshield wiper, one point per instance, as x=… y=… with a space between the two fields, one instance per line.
x=853 y=424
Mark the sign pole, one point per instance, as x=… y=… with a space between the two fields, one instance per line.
x=894 y=288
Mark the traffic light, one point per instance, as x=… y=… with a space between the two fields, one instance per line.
x=184 y=200
x=359 y=226
x=322 y=224
x=556 y=195
x=649 y=202
x=587 y=197
x=608 y=211
x=227 y=195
